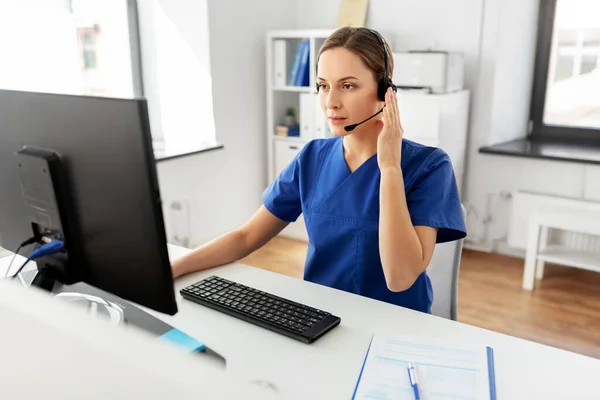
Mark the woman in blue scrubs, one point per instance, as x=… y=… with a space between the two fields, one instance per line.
x=375 y=204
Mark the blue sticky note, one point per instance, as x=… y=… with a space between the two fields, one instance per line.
x=184 y=341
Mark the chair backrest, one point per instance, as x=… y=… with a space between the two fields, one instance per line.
x=443 y=271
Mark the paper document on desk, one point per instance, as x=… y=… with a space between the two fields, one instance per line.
x=444 y=371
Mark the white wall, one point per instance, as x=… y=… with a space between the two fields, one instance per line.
x=176 y=72
x=499 y=113
x=223 y=188
x=514 y=52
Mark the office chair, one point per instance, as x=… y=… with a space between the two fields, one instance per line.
x=443 y=270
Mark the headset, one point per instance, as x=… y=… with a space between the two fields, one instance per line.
x=382 y=85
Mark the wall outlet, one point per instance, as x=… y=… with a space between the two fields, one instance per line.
x=180 y=222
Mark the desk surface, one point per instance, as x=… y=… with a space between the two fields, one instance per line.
x=524 y=370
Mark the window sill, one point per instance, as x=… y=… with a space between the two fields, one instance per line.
x=587 y=152
x=161 y=154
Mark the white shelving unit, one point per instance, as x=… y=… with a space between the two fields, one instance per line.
x=280 y=98
x=280 y=149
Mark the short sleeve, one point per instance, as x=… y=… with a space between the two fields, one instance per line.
x=434 y=199
x=282 y=197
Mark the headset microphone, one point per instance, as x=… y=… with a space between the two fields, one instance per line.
x=350 y=128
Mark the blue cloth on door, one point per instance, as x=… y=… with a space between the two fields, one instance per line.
x=341 y=212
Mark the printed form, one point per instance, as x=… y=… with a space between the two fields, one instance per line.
x=444 y=371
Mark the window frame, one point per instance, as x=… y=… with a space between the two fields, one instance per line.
x=537 y=128
x=135 y=48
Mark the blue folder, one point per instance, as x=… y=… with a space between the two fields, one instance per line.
x=182 y=340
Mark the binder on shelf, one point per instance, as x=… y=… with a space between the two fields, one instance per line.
x=302 y=79
x=279 y=62
x=300 y=70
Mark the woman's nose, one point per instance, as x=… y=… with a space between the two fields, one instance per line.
x=332 y=100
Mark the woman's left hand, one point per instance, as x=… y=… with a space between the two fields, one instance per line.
x=389 y=142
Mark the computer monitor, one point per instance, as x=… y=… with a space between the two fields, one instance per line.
x=115 y=236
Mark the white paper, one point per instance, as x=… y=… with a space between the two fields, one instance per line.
x=444 y=371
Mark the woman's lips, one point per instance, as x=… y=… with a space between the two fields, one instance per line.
x=336 y=120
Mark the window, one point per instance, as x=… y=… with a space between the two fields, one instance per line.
x=88 y=50
x=566 y=92
x=86 y=47
x=97 y=47
x=108 y=43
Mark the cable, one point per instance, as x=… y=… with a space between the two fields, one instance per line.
x=12 y=261
x=52 y=247
x=29 y=241
x=20 y=268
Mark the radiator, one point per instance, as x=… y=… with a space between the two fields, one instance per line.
x=524 y=203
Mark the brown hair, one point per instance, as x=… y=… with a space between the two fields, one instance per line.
x=366 y=45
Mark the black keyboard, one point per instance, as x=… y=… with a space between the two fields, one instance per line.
x=280 y=315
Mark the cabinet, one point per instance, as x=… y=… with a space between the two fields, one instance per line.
x=439 y=120
x=284 y=151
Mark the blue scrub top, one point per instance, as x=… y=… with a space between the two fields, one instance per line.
x=341 y=212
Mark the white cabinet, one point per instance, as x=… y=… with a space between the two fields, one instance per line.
x=282 y=47
x=284 y=151
x=439 y=120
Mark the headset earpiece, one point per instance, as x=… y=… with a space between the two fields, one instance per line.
x=386 y=81
x=383 y=87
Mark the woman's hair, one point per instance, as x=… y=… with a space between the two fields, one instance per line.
x=366 y=45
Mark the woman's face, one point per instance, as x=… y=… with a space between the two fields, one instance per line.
x=347 y=91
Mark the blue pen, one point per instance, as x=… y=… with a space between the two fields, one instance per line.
x=412 y=377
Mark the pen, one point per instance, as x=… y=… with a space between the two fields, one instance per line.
x=412 y=377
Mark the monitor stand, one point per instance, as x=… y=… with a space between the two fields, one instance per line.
x=96 y=306
x=47 y=280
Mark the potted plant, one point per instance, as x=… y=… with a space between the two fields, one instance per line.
x=290 y=117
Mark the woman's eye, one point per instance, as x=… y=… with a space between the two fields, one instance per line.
x=321 y=86
x=347 y=86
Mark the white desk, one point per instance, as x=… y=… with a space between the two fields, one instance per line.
x=331 y=365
